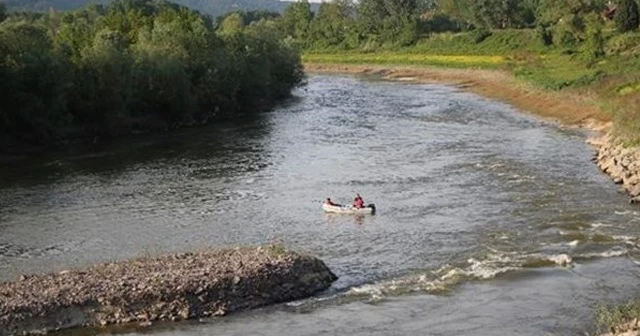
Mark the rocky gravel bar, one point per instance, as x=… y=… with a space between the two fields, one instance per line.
x=173 y=287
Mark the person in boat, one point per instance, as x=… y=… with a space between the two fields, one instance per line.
x=330 y=202
x=358 y=202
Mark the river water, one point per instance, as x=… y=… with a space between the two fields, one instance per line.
x=489 y=221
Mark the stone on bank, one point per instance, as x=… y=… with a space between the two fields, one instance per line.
x=621 y=163
x=174 y=287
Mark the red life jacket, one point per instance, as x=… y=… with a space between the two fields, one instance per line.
x=358 y=203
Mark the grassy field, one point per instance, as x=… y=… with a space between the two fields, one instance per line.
x=611 y=82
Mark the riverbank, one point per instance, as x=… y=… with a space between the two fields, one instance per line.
x=174 y=287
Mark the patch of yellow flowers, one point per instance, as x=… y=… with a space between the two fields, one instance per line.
x=406 y=58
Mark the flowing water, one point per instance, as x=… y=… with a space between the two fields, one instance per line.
x=489 y=221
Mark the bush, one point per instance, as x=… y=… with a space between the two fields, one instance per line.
x=627 y=16
x=593 y=46
x=627 y=42
x=544 y=35
x=480 y=34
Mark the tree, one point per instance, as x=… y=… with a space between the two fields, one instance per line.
x=492 y=13
x=232 y=24
x=551 y=11
x=296 y=20
x=627 y=15
x=328 y=27
x=3 y=11
x=593 y=46
x=136 y=64
x=388 y=21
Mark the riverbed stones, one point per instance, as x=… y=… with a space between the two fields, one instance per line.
x=631 y=328
x=621 y=163
x=170 y=288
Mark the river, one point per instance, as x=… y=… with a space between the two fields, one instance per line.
x=489 y=221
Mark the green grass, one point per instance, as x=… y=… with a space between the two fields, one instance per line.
x=611 y=316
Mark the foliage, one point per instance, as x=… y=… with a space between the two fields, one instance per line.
x=627 y=16
x=3 y=11
x=492 y=13
x=480 y=34
x=593 y=46
x=611 y=316
x=623 y=43
x=544 y=35
x=552 y=11
x=296 y=20
x=250 y=16
x=134 y=65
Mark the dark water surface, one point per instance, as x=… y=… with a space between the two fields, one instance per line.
x=489 y=221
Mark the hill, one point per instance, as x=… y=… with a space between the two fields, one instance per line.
x=214 y=8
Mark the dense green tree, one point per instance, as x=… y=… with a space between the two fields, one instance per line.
x=492 y=13
x=32 y=100
x=594 y=41
x=552 y=11
x=134 y=65
x=248 y=17
x=388 y=21
x=3 y=11
x=627 y=15
x=332 y=23
x=296 y=20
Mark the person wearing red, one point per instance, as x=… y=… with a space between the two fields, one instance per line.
x=358 y=202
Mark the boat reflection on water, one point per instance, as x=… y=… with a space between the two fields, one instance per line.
x=334 y=219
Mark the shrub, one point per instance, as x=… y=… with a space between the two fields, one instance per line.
x=593 y=47
x=627 y=16
x=544 y=35
x=568 y=32
x=480 y=34
x=627 y=42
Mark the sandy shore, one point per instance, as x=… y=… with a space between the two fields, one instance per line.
x=173 y=287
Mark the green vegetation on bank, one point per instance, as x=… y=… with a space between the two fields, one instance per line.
x=561 y=45
x=618 y=318
x=131 y=66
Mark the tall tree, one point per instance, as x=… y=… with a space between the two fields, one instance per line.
x=3 y=11
x=330 y=24
x=296 y=20
x=551 y=11
x=627 y=15
x=392 y=21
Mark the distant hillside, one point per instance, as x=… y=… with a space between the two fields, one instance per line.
x=211 y=7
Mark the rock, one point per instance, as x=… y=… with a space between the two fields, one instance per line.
x=631 y=180
x=606 y=164
x=634 y=191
